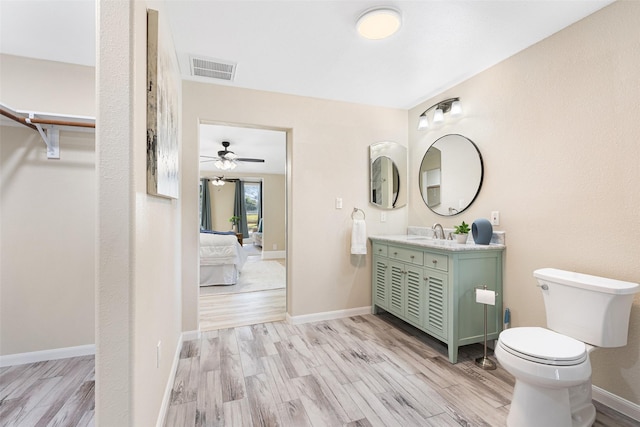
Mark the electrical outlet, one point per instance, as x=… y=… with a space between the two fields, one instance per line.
x=275 y=246
x=383 y=217
x=338 y=202
x=158 y=351
x=495 y=218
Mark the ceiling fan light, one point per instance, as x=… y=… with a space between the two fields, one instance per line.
x=219 y=164
x=231 y=155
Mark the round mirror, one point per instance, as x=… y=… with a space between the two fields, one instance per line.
x=385 y=182
x=388 y=175
x=451 y=175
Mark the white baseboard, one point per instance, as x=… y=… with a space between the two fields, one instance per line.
x=43 y=355
x=328 y=315
x=630 y=409
x=273 y=254
x=166 y=399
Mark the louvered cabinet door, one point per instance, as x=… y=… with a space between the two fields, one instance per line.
x=396 y=290
x=435 y=317
x=414 y=296
x=380 y=279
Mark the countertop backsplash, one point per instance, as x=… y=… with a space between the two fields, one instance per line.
x=497 y=238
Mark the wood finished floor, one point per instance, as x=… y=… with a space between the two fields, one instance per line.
x=219 y=311
x=359 y=371
x=52 y=393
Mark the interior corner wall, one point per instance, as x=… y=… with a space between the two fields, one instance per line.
x=328 y=144
x=138 y=251
x=557 y=126
x=47 y=212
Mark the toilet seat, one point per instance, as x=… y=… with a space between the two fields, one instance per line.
x=543 y=346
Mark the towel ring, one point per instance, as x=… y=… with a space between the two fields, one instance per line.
x=355 y=211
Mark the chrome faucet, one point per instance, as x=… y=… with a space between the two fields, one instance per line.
x=435 y=231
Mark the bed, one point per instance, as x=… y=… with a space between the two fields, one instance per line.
x=221 y=259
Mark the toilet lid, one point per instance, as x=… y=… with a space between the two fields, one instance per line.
x=543 y=346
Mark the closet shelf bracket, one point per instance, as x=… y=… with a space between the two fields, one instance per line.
x=51 y=138
x=48 y=125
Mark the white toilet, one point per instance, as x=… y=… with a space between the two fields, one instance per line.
x=551 y=366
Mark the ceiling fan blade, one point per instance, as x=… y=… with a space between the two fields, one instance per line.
x=241 y=159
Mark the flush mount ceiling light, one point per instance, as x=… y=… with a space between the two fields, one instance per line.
x=379 y=23
x=451 y=106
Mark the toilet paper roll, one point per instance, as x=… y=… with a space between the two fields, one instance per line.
x=485 y=296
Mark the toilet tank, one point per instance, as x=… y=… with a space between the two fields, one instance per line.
x=592 y=309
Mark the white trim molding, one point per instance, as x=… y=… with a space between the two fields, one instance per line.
x=166 y=398
x=43 y=355
x=630 y=409
x=328 y=315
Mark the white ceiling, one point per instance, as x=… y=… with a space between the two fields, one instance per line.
x=269 y=145
x=311 y=48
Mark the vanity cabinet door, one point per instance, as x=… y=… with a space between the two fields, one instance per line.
x=396 y=288
x=380 y=282
x=435 y=289
x=414 y=296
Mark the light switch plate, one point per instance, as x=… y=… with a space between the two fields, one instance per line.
x=495 y=218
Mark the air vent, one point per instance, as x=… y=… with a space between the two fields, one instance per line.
x=212 y=68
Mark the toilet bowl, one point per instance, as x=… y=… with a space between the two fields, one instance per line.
x=553 y=373
x=551 y=366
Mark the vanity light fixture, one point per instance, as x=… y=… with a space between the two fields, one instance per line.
x=379 y=23
x=451 y=106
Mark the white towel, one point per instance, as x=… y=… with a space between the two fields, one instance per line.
x=359 y=237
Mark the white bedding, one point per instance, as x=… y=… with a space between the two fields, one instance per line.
x=221 y=258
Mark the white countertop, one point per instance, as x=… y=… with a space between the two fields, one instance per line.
x=429 y=242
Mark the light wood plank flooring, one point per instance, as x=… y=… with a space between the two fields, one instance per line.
x=360 y=371
x=246 y=308
x=52 y=393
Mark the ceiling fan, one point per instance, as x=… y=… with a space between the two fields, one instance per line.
x=227 y=159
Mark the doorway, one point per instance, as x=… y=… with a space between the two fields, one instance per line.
x=247 y=199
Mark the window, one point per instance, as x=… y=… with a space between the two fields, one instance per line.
x=253 y=203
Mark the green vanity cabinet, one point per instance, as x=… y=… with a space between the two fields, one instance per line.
x=433 y=289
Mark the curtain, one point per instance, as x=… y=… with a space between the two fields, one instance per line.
x=240 y=209
x=205 y=205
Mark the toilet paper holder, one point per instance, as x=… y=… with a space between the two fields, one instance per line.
x=484 y=362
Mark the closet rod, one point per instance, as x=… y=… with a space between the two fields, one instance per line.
x=62 y=123
x=18 y=119
x=28 y=122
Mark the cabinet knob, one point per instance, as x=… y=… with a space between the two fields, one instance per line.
x=435 y=261
x=412 y=256
x=395 y=253
x=379 y=249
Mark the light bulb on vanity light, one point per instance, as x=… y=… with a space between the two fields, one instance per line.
x=438 y=116
x=456 y=109
x=423 y=122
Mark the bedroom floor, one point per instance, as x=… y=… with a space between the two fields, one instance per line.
x=258 y=297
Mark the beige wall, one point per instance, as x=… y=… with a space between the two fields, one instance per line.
x=46 y=242
x=328 y=157
x=46 y=212
x=273 y=209
x=138 y=271
x=557 y=126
